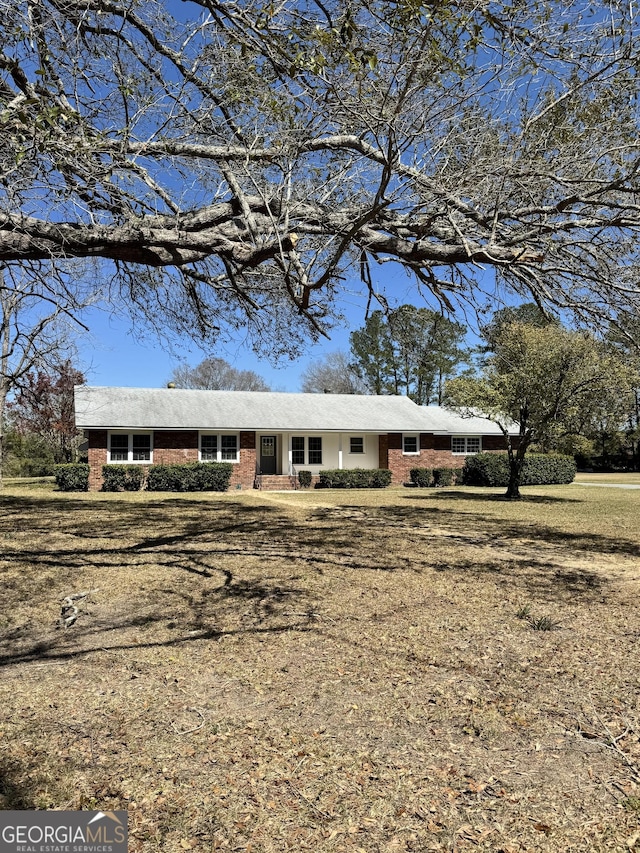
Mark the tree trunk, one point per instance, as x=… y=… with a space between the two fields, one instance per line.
x=515 y=471
x=516 y=460
x=3 y=398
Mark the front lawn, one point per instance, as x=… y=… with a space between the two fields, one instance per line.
x=399 y=670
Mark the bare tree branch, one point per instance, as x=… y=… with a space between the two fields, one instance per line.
x=261 y=150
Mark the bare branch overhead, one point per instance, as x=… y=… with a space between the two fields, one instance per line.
x=256 y=155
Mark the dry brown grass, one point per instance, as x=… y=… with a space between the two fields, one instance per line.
x=627 y=478
x=327 y=671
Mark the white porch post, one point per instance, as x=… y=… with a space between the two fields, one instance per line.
x=289 y=454
x=340 y=451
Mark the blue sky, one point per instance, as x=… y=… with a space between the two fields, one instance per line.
x=115 y=354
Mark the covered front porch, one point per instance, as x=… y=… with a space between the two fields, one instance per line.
x=281 y=455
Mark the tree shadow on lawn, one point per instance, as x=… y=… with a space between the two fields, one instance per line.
x=538 y=578
x=43 y=573
x=484 y=497
x=191 y=536
x=539 y=572
x=503 y=529
x=193 y=619
x=340 y=539
x=95 y=518
x=14 y=795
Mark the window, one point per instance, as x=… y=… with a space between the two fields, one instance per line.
x=465 y=444
x=119 y=448
x=410 y=444
x=297 y=450
x=218 y=448
x=229 y=448
x=130 y=447
x=209 y=448
x=315 y=450
x=141 y=448
x=356 y=444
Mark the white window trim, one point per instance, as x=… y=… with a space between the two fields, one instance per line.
x=306 y=462
x=309 y=452
x=358 y=452
x=415 y=452
x=130 y=460
x=218 y=436
x=297 y=450
x=466 y=451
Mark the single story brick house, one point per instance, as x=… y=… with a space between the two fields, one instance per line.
x=270 y=436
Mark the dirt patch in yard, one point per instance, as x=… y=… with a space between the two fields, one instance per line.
x=327 y=671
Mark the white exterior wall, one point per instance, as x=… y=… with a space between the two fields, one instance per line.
x=369 y=459
x=335 y=451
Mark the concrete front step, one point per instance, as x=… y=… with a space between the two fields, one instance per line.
x=276 y=482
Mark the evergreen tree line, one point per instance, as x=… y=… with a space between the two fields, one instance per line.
x=407 y=351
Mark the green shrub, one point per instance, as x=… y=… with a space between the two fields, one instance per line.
x=444 y=476
x=355 y=478
x=336 y=479
x=486 y=469
x=304 y=478
x=122 y=478
x=540 y=468
x=72 y=478
x=192 y=477
x=379 y=478
x=492 y=469
x=421 y=477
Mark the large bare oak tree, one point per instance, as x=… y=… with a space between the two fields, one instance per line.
x=39 y=323
x=236 y=163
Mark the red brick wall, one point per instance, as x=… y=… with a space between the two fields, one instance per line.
x=401 y=465
x=244 y=473
x=97 y=457
x=435 y=452
x=173 y=448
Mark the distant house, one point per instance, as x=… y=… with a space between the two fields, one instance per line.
x=270 y=436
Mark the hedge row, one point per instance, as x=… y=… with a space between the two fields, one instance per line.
x=492 y=469
x=424 y=477
x=122 y=478
x=72 y=478
x=355 y=478
x=483 y=469
x=192 y=477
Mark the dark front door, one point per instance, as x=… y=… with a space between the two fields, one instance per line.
x=267 y=454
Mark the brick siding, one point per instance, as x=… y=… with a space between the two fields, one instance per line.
x=427 y=457
x=181 y=446
x=174 y=447
x=97 y=457
x=244 y=473
x=435 y=452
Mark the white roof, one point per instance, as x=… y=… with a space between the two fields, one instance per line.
x=446 y=422
x=178 y=408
